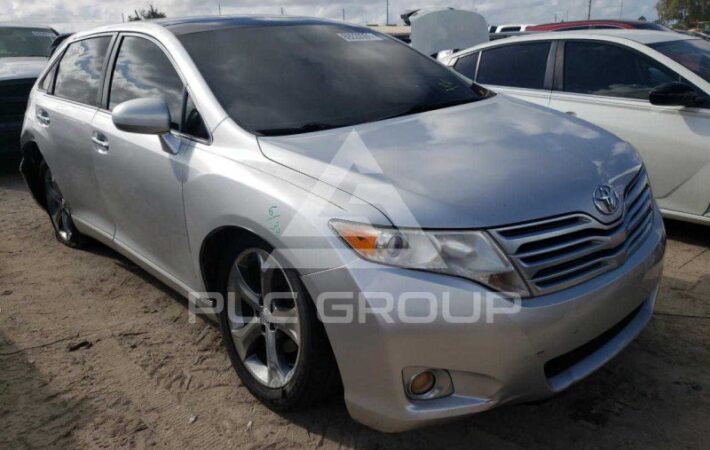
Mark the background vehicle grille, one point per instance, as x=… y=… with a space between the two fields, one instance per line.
x=558 y=253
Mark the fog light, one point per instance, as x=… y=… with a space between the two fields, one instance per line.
x=422 y=383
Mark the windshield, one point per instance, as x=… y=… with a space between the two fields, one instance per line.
x=289 y=79
x=693 y=54
x=25 y=42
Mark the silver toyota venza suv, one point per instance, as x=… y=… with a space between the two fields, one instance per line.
x=356 y=216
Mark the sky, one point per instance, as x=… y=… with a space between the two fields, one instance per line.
x=77 y=15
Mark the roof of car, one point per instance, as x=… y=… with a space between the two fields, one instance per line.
x=595 y=21
x=641 y=36
x=185 y=25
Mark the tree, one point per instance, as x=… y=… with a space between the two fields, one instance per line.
x=683 y=13
x=146 y=14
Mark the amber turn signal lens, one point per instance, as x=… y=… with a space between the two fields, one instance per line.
x=360 y=238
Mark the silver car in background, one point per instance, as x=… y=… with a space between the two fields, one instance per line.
x=340 y=203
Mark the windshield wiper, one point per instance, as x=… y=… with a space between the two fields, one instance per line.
x=320 y=126
x=306 y=128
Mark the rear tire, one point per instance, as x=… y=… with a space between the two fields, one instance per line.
x=59 y=213
x=300 y=368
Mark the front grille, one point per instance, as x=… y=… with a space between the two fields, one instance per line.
x=561 y=252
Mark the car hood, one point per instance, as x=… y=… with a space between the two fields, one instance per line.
x=490 y=163
x=21 y=67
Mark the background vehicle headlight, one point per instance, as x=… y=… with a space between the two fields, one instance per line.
x=467 y=254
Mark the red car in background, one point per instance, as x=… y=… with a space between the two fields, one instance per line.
x=598 y=25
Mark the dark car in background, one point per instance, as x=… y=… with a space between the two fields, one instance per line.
x=23 y=54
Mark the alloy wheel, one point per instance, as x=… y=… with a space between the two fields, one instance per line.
x=263 y=317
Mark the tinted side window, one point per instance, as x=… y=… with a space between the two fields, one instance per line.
x=193 y=124
x=467 y=65
x=79 y=72
x=522 y=66
x=143 y=70
x=609 y=70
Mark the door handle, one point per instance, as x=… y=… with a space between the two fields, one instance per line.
x=100 y=142
x=42 y=116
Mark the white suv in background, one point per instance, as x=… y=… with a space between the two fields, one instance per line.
x=650 y=88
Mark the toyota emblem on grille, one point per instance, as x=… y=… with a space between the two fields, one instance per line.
x=606 y=199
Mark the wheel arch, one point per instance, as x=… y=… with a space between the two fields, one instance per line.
x=212 y=247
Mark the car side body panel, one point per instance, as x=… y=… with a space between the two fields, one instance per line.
x=147 y=207
x=288 y=209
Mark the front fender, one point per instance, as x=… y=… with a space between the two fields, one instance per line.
x=287 y=209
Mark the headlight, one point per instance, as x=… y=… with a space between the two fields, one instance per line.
x=467 y=254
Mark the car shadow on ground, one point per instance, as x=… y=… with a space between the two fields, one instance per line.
x=32 y=414
x=102 y=250
x=689 y=233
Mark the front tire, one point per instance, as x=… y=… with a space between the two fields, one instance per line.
x=58 y=210
x=276 y=344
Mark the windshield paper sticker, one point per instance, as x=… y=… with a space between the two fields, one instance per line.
x=359 y=37
x=43 y=33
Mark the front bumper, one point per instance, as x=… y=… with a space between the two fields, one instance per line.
x=550 y=343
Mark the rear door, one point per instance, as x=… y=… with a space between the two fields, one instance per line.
x=522 y=70
x=63 y=112
x=140 y=181
x=609 y=85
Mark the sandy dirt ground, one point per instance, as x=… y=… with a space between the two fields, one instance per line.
x=94 y=353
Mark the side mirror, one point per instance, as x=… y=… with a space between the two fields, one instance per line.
x=674 y=94
x=143 y=116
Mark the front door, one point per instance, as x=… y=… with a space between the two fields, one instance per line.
x=140 y=181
